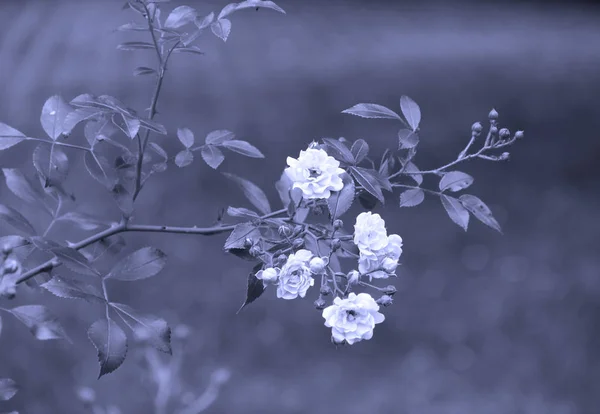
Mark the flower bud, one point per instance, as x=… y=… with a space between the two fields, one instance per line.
x=317 y=264
x=338 y=224
x=385 y=300
x=10 y=266
x=319 y=210
x=493 y=115
x=298 y=229
x=493 y=130
x=268 y=275
x=6 y=249
x=255 y=251
x=325 y=290
x=389 y=290
x=505 y=156
x=284 y=230
x=248 y=243
x=336 y=244
x=320 y=304
x=281 y=259
x=298 y=243
x=353 y=277
x=504 y=133
x=519 y=135
x=476 y=128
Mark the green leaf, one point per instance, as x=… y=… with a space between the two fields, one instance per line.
x=8 y=389
x=186 y=137
x=254 y=289
x=16 y=242
x=243 y=147
x=131 y=27
x=97 y=130
x=411 y=112
x=40 y=321
x=135 y=46
x=360 y=149
x=283 y=187
x=73 y=289
x=341 y=201
x=240 y=233
x=412 y=197
x=82 y=114
x=180 y=16
x=456 y=211
x=212 y=156
x=129 y=125
x=159 y=150
x=74 y=260
x=242 y=212
x=370 y=110
x=219 y=136
x=153 y=126
x=53 y=116
x=414 y=171
x=407 y=139
x=455 y=181
x=15 y=219
x=51 y=163
x=143 y=70
x=252 y=192
x=369 y=180
x=205 y=22
x=83 y=221
x=184 y=158
x=100 y=169
x=231 y=7
x=339 y=150
x=123 y=198
x=141 y=264
x=194 y=50
x=155 y=330
x=480 y=210
x=20 y=186
x=110 y=342
x=221 y=28
x=9 y=136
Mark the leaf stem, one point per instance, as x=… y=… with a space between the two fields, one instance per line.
x=60 y=144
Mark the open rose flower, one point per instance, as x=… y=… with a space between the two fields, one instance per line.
x=370 y=233
x=352 y=319
x=379 y=264
x=295 y=277
x=315 y=173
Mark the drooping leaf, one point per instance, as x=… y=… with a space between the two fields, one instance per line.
x=185 y=158
x=411 y=112
x=254 y=290
x=212 y=156
x=141 y=264
x=53 y=116
x=9 y=136
x=407 y=139
x=205 y=21
x=8 y=389
x=153 y=126
x=110 y=342
x=339 y=150
x=219 y=136
x=370 y=110
x=20 y=186
x=51 y=163
x=73 y=289
x=455 y=181
x=243 y=147
x=81 y=220
x=74 y=260
x=369 y=181
x=155 y=330
x=252 y=192
x=130 y=126
x=44 y=244
x=143 y=70
x=186 y=137
x=242 y=212
x=15 y=219
x=83 y=114
x=480 y=210
x=231 y=7
x=456 y=211
x=42 y=323
x=100 y=169
x=240 y=233
x=360 y=149
x=340 y=201
x=221 y=28
x=180 y=16
x=135 y=46
x=412 y=197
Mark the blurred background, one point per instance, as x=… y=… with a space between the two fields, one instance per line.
x=482 y=323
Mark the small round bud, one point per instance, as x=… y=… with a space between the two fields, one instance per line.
x=336 y=244
x=298 y=243
x=476 y=128
x=268 y=275
x=493 y=130
x=390 y=290
x=320 y=304
x=338 y=224
x=298 y=229
x=505 y=156
x=10 y=266
x=317 y=264
x=319 y=210
x=504 y=133
x=338 y=342
x=284 y=230
x=493 y=115
x=325 y=290
x=255 y=251
x=353 y=277
x=281 y=259
x=519 y=135
x=248 y=243
x=6 y=249
x=385 y=300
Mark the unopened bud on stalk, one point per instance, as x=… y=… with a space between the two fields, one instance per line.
x=248 y=243
x=493 y=115
x=390 y=290
x=476 y=128
x=353 y=277
x=255 y=251
x=338 y=224
x=284 y=230
x=504 y=133
x=281 y=259
x=320 y=303
x=325 y=290
x=505 y=156
x=385 y=300
x=494 y=130
x=298 y=243
x=336 y=244
x=519 y=135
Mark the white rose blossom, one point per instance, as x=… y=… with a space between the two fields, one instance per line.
x=315 y=173
x=269 y=276
x=369 y=232
x=352 y=319
x=295 y=276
